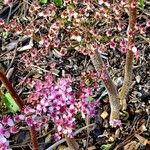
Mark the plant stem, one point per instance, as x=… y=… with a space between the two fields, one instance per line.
x=109 y=85
x=72 y=144
x=129 y=57
x=11 y=90
x=33 y=135
x=21 y=105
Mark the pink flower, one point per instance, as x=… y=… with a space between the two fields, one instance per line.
x=7 y=121
x=104 y=75
x=2 y=22
x=136 y=52
x=8 y=2
x=115 y=123
x=130 y=33
x=63 y=51
x=112 y=44
x=123 y=43
x=133 y=4
x=123 y=50
x=120 y=26
x=109 y=32
x=37 y=126
x=18 y=118
x=148 y=23
x=30 y=120
x=14 y=130
x=58 y=99
x=28 y=110
x=56 y=137
x=142 y=30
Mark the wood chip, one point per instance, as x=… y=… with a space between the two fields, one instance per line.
x=133 y=145
x=104 y=114
x=91 y=148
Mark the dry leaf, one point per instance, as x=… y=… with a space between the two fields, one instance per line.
x=141 y=139
x=26 y=47
x=62 y=147
x=104 y=114
x=132 y=146
x=91 y=148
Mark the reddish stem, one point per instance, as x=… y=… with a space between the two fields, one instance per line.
x=21 y=105
x=11 y=90
x=33 y=135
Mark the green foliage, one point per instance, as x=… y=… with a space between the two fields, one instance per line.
x=5 y=35
x=88 y=81
x=10 y=103
x=107 y=146
x=124 y=115
x=43 y=1
x=59 y=3
x=90 y=99
x=141 y=4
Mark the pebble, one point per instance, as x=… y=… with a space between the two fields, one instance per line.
x=119 y=81
x=138 y=79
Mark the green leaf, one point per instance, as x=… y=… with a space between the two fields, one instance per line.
x=10 y=103
x=43 y=1
x=48 y=138
x=90 y=99
x=141 y=4
x=59 y=3
x=107 y=146
x=124 y=115
x=88 y=81
x=5 y=35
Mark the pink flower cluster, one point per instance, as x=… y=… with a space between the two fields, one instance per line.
x=7 y=126
x=4 y=134
x=59 y=102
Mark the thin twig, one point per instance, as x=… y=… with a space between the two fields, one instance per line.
x=63 y=140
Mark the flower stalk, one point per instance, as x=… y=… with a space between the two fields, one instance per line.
x=109 y=85
x=130 y=56
x=21 y=105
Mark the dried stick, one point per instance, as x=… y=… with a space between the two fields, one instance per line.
x=63 y=140
x=129 y=57
x=109 y=85
x=21 y=105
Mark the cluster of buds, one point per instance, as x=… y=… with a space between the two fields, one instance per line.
x=77 y=27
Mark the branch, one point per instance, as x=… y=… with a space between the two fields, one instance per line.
x=129 y=57
x=109 y=85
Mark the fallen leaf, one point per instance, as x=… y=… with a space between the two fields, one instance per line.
x=10 y=102
x=107 y=146
x=91 y=148
x=104 y=114
x=133 y=145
